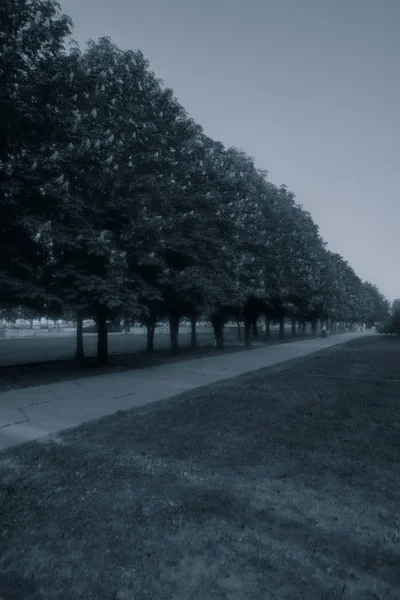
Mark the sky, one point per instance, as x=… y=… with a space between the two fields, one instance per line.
x=309 y=88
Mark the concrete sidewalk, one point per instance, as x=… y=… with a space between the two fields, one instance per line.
x=32 y=413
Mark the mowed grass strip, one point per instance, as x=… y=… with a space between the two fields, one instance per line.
x=275 y=485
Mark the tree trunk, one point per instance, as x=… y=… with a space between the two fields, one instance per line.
x=218 y=327
x=174 y=333
x=247 y=333
x=255 y=330
x=193 y=335
x=79 y=352
x=238 y=330
x=150 y=330
x=102 y=339
x=303 y=327
x=293 y=327
x=267 y=327
x=281 y=327
x=314 y=326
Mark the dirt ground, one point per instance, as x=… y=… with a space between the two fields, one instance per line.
x=283 y=484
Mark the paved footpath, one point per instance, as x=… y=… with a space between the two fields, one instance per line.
x=35 y=412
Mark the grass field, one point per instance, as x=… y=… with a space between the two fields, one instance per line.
x=281 y=484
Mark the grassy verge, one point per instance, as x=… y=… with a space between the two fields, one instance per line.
x=281 y=484
x=22 y=376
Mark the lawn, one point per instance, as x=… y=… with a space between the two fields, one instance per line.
x=282 y=484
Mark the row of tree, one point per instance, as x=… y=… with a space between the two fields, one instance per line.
x=114 y=203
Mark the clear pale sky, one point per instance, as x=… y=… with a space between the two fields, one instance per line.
x=309 y=88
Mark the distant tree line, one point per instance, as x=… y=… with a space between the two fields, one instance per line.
x=116 y=205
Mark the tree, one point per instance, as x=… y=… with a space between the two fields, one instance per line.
x=91 y=271
x=281 y=253
x=374 y=308
x=395 y=317
x=32 y=34
x=392 y=323
x=237 y=187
